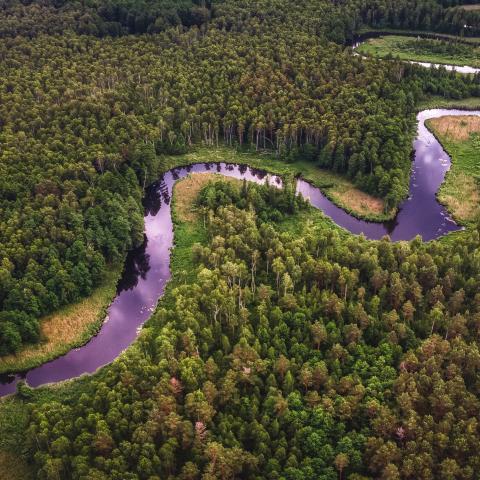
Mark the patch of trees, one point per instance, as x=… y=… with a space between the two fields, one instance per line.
x=290 y=355
x=100 y=17
x=428 y=15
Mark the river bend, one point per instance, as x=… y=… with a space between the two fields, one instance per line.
x=147 y=268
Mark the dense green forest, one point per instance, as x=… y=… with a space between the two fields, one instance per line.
x=99 y=17
x=290 y=349
x=121 y=17
x=313 y=355
x=85 y=122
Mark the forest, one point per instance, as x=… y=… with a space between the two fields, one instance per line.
x=91 y=118
x=288 y=355
x=290 y=349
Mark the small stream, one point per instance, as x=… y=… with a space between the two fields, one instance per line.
x=147 y=268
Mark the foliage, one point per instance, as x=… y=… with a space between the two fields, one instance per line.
x=460 y=191
x=85 y=122
x=289 y=356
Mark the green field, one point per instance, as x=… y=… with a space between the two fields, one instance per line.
x=437 y=101
x=460 y=193
x=422 y=50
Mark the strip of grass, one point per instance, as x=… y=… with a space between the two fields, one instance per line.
x=437 y=101
x=69 y=327
x=369 y=31
x=475 y=6
x=336 y=187
x=460 y=193
x=422 y=50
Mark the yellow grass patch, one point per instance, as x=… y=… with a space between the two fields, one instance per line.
x=66 y=328
x=475 y=6
x=464 y=204
x=187 y=190
x=357 y=201
x=456 y=127
x=13 y=467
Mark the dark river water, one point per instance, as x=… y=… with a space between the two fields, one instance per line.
x=147 y=269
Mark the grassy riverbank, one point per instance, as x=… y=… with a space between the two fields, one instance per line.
x=460 y=193
x=472 y=7
x=437 y=101
x=369 y=31
x=337 y=188
x=67 y=328
x=422 y=50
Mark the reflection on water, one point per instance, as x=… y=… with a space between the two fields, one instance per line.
x=147 y=268
x=136 y=266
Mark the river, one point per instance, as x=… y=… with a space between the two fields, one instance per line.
x=147 y=269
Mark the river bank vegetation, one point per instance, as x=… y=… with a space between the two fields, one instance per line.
x=460 y=192
x=67 y=328
x=422 y=50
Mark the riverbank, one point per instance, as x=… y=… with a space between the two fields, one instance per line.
x=370 y=32
x=410 y=48
x=337 y=188
x=460 y=192
x=437 y=101
x=69 y=327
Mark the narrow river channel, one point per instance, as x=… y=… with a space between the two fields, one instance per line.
x=147 y=269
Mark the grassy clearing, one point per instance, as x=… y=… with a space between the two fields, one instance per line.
x=475 y=6
x=436 y=101
x=422 y=50
x=455 y=128
x=336 y=187
x=366 y=32
x=69 y=327
x=187 y=190
x=460 y=192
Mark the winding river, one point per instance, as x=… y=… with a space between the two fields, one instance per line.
x=147 y=269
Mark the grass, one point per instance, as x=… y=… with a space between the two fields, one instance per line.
x=460 y=193
x=69 y=327
x=337 y=188
x=437 y=101
x=366 y=32
x=475 y=6
x=423 y=50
